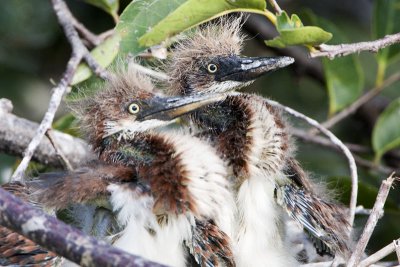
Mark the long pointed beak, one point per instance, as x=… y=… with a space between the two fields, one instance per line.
x=243 y=69
x=169 y=108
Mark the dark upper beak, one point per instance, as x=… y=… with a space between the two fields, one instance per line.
x=169 y=108
x=243 y=69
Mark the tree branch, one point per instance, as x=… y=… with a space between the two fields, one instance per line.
x=61 y=238
x=361 y=101
x=275 y=6
x=16 y=133
x=376 y=213
x=380 y=254
x=59 y=153
x=355 y=148
x=332 y=51
x=79 y=52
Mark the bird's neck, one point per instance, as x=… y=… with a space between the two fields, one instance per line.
x=227 y=124
x=155 y=161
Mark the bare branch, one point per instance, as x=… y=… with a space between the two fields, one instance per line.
x=79 y=52
x=355 y=148
x=61 y=238
x=377 y=210
x=16 y=133
x=361 y=101
x=318 y=264
x=155 y=74
x=275 y=6
x=55 y=100
x=380 y=254
x=59 y=153
x=338 y=143
x=332 y=51
x=92 y=38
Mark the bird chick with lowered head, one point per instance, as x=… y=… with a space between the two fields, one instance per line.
x=169 y=202
x=252 y=137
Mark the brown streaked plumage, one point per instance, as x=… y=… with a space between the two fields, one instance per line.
x=249 y=134
x=16 y=249
x=149 y=177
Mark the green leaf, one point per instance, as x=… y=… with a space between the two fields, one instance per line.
x=66 y=124
x=292 y=32
x=104 y=54
x=344 y=75
x=140 y=16
x=386 y=133
x=194 y=12
x=386 y=20
x=307 y=35
x=109 y=6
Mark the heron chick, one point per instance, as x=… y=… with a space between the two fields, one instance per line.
x=252 y=137
x=169 y=202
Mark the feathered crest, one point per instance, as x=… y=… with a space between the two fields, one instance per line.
x=219 y=38
x=125 y=84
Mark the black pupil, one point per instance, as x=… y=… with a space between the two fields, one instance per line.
x=134 y=108
x=213 y=67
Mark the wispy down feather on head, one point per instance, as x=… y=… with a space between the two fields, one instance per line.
x=219 y=38
x=108 y=106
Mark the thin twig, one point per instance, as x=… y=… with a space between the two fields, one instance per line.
x=361 y=101
x=318 y=264
x=377 y=210
x=155 y=74
x=79 y=52
x=60 y=155
x=16 y=134
x=373 y=166
x=275 y=6
x=325 y=142
x=92 y=38
x=77 y=42
x=380 y=254
x=360 y=210
x=61 y=238
x=337 y=142
x=359 y=149
x=332 y=51
x=55 y=100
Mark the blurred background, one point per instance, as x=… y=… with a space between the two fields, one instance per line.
x=34 y=52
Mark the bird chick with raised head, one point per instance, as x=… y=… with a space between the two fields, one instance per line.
x=169 y=190
x=252 y=137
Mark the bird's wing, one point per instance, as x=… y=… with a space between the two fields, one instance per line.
x=59 y=190
x=296 y=173
x=210 y=246
x=16 y=249
x=325 y=222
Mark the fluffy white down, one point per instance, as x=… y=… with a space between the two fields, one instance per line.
x=208 y=184
x=134 y=212
x=259 y=229
x=209 y=188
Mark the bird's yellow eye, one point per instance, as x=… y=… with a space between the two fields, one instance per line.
x=212 y=68
x=133 y=108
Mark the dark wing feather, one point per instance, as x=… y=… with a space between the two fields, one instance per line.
x=16 y=249
x=325 y=222
x=210 y=245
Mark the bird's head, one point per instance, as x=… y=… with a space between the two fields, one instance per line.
x=127 y=104
x=209 y=60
